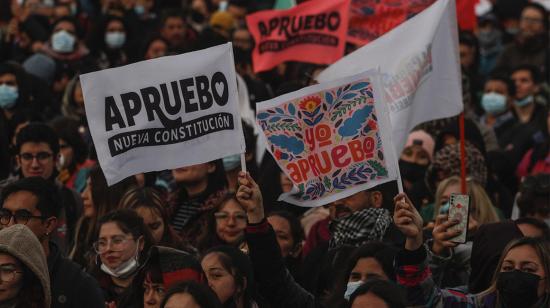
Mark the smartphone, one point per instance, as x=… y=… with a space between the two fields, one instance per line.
x=459 y=209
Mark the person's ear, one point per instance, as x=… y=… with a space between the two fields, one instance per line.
x=141 y=244
x=18 y=160
x=50 y=224
x=376 y=199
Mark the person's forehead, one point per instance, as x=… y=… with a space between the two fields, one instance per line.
x=65 y=25
x=110 y=229
x=279 y=223
x=174 y=20
x=7 y=77
x=495 y=83
x=522 y=254
x=521 y=74
x=29 y=147
x=22 y=199
x=532 y=12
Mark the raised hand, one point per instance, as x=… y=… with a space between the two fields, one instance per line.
x=250 y=197
x=442 y=234
x=407 y=219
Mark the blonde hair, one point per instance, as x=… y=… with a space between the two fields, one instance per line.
x=481 y=207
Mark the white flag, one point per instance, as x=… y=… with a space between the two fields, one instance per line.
x=420 y=64
x=164 y=113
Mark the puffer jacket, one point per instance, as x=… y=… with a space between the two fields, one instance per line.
x=22 y=244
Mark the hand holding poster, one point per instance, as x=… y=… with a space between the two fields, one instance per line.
x=164 y=113
x=313 y=32
x=332 y=139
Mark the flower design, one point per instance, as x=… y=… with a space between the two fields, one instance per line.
x=310 y=103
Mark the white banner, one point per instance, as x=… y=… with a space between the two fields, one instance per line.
x=164 y=113
x=331 y=139
x=420 y=65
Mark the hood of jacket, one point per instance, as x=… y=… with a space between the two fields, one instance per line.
x=21 y=243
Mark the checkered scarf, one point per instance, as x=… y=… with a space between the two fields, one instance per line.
x=359 y=228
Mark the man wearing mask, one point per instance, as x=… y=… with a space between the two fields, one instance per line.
x=34 y=202
x=496 y=102
x=516 y=140
x=530 y=45
x=37 y=155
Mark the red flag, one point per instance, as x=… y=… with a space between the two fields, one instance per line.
x=313 y=32
x=465 y=12
x=370 y=19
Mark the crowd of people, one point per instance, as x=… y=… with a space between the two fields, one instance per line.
x=210 y=235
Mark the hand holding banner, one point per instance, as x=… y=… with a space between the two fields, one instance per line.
x=331 y=139
x=164 y=113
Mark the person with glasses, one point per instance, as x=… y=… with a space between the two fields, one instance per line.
x=530 y=45
x=37 y=148
x=225 y=225
x=35 y=203
x=122 y=245
x=24 y=279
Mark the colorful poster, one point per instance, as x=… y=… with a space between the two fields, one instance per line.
x=164 y=113
x=331 y=139
x=370 y=19
x=421 y=82
x=313 y=32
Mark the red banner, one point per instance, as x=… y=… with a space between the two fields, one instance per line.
x=313 y=32
x=370 y=19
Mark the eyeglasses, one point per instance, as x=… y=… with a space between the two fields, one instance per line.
x=224 y=216
x=531 y=20
x=40 y=156
x=7 y=273
x=117 y=243
x=19 y=217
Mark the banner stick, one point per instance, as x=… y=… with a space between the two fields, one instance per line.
x=243 y=162
x=462 y=154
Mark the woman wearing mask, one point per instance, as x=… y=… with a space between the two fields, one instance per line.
x=497 y=102
x=149 y=205
x=25 y=282
x=225 y=225
x=521 y=279
x=122 y=245
x=373 y=260
x=230 y=276
x=110 y=43
x=98 y=199
x=65 y=45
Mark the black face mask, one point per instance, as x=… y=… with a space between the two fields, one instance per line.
x=412 y=172
x=517 y=289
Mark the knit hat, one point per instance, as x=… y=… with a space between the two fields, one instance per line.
x=19 y=241
x=447 y=163
x=423 y=139
x=174 y=265
x=41 y=66
x=222 y=20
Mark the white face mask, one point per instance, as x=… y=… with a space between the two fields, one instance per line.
x=124 y=270
x=351 y=287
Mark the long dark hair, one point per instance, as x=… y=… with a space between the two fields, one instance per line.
x=239 y=266
x=129 y=222
x=31 y=294
x=392 y=294
x=150 y=198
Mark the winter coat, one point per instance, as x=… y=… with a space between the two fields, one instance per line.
x=71 y=286
x=22 y=244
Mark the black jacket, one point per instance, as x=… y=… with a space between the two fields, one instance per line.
x=71 y=286
x=276 y=284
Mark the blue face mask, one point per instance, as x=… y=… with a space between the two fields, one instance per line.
x=493 y=103
x=139 y=9
x=231 y=162
x=63 y=41
x=8 y=96
x=115 y=40
x=524 y=101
